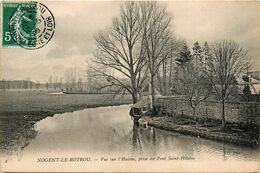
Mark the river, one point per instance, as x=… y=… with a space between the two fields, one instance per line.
x=109 y=131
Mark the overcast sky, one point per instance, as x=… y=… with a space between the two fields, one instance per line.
x=77 y=23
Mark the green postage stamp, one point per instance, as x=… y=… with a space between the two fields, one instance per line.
x=29 y=25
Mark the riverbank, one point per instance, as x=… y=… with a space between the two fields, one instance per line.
x=211 y=130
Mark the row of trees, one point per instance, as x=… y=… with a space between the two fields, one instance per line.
x=73 y=78
x=141 y=46
x=18 y=84
x=211 y=70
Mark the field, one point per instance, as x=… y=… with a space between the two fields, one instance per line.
x=42 y=102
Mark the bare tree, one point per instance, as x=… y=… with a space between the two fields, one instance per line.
x=79 y=83
x=193 y=84
x=47 y=85
x=37 y=85
x=30 y=84
x=55 y=82
x=165 y=71
x=71 y=76
x=89 y=79
x=226 y=62
x=120 y=51
x=155 y=24
x=3 y=84
x=26 y=83
x=61 y=83
x=50 y=81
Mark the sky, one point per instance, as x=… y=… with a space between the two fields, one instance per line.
x=77 y=23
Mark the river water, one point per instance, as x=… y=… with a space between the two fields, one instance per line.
x=109 y=131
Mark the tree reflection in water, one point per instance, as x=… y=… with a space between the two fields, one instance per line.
x=152 y=141
x=143 y=137
x=137 y=146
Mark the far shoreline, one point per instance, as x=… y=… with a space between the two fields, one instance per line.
x=33 y=117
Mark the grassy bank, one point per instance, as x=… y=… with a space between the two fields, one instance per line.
x=211 y=130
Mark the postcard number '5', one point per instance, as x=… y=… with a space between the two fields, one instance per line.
x=7 y=36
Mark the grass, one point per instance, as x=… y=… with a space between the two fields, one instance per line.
x=36 y=102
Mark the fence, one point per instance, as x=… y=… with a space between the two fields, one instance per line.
x=237 y=112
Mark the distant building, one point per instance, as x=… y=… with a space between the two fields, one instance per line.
x=255 y=75
x=250 y=85
x=254 y=81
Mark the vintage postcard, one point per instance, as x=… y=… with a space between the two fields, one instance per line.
x=129 y=86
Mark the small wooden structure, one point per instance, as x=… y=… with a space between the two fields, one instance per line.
x=138 y=109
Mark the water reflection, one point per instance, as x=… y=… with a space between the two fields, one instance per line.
x=110 y=131
x=136 y=139
x=155 y=142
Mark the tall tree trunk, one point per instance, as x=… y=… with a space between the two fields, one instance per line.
x=134 y=90
x=135 y=98
x=164 y=79
x=170 y=76
x=194 y=113
x=159 y=81
x=223 y=120
x=152 y=90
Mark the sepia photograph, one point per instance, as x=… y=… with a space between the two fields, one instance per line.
x=129 y=86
